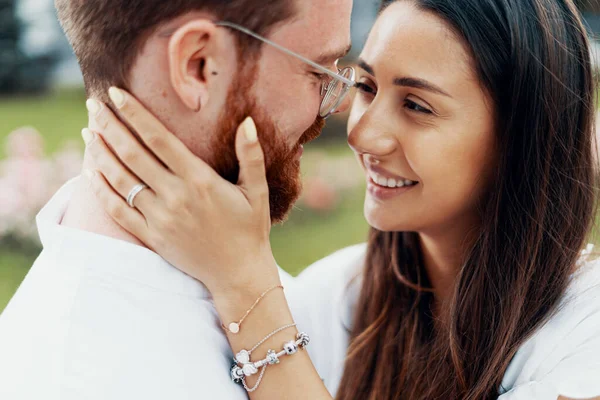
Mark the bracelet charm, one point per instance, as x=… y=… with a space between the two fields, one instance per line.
x=234 y=327
x=272 y=357
x=243 y=367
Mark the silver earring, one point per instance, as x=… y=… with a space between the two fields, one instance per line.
x=199 y=105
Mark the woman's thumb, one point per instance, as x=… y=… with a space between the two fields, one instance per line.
x=249 y=152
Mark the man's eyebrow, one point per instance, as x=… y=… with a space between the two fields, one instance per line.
x=407 y=81
x=333 y=56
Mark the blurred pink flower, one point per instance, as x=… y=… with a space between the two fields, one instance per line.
x=9 y=206
x=319 y=195
x=68 y=162
x=25 y=143
x=28 y=180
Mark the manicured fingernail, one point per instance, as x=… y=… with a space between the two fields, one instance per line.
x=250 y=130
x=89 y=174
x=117 y=96
x=93 y=106
x=87 y=135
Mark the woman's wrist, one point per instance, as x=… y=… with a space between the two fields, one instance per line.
x=242 y=290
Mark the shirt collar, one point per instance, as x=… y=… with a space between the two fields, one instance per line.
x=111 y=255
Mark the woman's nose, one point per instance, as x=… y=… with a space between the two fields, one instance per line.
x=369 y=138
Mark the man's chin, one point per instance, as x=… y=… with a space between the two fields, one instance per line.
x=284 y=176
x=285 y=187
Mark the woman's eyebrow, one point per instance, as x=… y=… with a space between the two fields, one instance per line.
x=406 y=81
x=363 y=64
x=419 y=84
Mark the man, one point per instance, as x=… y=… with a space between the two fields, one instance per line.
x=101 y=317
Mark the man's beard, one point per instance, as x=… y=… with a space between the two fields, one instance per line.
x=282 y=163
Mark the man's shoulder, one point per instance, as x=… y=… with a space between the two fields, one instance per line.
x=102 y=334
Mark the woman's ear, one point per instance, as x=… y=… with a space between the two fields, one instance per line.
x=191 y=59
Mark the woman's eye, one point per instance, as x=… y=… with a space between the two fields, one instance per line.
x=362 y=87
x=411 y=105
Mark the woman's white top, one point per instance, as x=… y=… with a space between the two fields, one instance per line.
x=562 y=358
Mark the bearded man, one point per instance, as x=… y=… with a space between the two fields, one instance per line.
x=100 y=316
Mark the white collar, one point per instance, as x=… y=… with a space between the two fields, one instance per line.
x=113 y=256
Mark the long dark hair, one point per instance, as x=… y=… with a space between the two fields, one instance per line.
x=533 y=58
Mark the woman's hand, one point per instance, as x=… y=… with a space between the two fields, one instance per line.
x=210 y=229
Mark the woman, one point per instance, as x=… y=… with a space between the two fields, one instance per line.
x=473 y=122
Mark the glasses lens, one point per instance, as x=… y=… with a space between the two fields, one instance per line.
x=336 y=91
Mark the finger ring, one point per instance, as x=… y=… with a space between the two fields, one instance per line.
x=134 y=192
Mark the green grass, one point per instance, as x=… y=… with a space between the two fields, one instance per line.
x=59 y=117
x=13 y=268
x=308 y=237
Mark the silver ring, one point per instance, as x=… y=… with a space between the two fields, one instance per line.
x=134 y=192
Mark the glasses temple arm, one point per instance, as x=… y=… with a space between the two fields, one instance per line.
x=313 y=64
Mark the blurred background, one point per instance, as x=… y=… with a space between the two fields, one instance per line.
x=42 y=111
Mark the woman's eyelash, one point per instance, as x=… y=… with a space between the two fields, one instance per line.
x=409 y=104
x=412 y=106
x=365 y=88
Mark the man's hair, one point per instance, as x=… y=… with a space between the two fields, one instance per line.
x=107 y=35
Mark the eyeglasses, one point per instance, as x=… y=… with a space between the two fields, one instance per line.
x=333 y=90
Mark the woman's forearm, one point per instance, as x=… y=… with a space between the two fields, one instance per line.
x=294 y=377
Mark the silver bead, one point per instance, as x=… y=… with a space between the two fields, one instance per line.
x=236 y=374
x=290 y=348
x=249 y=369
x=303 y=338
x=272 y=357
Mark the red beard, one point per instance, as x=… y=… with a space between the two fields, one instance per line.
x=282 y=163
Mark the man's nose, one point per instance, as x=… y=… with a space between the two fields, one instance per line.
x=344 y=105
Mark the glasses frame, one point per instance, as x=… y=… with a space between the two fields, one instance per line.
x=326 y=87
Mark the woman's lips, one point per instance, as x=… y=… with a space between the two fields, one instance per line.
x=385 y=193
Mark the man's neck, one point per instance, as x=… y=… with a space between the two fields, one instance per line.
x=86 y=212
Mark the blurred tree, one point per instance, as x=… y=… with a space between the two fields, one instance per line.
x=20 y=73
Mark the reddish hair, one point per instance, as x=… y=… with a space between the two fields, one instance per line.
x=107 y=35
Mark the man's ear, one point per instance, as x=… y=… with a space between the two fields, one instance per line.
x=191 y=57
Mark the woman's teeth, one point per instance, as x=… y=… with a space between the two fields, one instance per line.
x=391 y=182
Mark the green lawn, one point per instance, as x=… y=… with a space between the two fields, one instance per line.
x=308 y=237
x=13 y=267
x=305 y=238
x=58 y=117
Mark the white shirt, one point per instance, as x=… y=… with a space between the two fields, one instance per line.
x=99 y=318
x=563 y=357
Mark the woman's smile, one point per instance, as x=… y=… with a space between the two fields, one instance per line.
x=383 y=185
